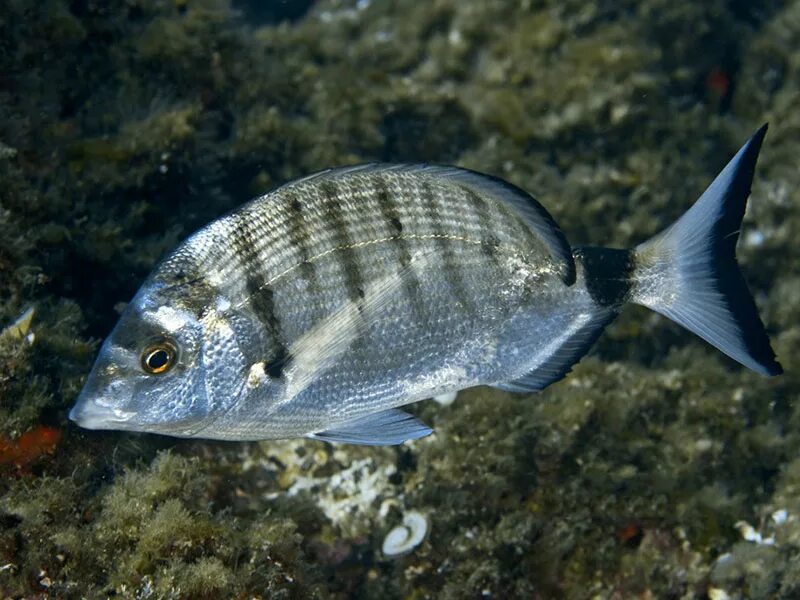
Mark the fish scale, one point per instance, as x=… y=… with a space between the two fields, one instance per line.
x=322 y=307
x=415 y=223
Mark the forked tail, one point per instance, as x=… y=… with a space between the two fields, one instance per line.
x=688 y=272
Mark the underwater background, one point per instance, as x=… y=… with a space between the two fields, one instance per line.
x=657 y=469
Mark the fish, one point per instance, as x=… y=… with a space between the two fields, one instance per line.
x=324 y=306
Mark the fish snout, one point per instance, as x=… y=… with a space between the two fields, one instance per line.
x=95 y=414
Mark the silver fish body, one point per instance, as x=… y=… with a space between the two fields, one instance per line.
x=318 y=309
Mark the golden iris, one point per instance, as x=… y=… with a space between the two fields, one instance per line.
x=159 y=357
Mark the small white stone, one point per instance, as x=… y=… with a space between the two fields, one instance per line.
x=619 y=112
x=717 y=594
x=404 y=538
x=780 y=516
x=446 y=399
x=754 y=238
x=703 y=445
x=748 y=532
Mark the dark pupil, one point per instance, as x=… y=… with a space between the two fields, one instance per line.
x=158 y=359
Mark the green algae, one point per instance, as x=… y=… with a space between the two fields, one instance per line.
x=151 y=531
x=126 y=125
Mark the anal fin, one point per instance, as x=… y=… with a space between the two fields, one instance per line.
x=386 y=428
x=557 y=365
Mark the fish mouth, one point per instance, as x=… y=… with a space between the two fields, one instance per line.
x=96 y=415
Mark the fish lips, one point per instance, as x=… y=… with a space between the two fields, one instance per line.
x=111 y=405
x=94 y=413
x=98 y=406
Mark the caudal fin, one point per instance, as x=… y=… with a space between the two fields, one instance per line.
x=688 y=272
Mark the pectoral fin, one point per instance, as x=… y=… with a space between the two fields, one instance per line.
x=386 y=428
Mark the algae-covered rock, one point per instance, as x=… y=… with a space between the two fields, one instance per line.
x=657 y=468
x=152 y=531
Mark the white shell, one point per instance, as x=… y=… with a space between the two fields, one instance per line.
x=446 y=399
x=404 y=538
x=780 y=516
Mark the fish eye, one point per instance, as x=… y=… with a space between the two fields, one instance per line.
x=159 y=357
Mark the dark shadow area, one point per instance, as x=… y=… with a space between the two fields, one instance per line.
x=266 y=12
x=436 y=133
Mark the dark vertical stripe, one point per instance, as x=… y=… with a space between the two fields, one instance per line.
x=518 y=227
x=514 y=221
x=453 y=268
x=300 y=238
x=490 y=243
x=187 y=284
x=608 y=274
x=347 y=259
x=261 y=296
x=388 y=208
